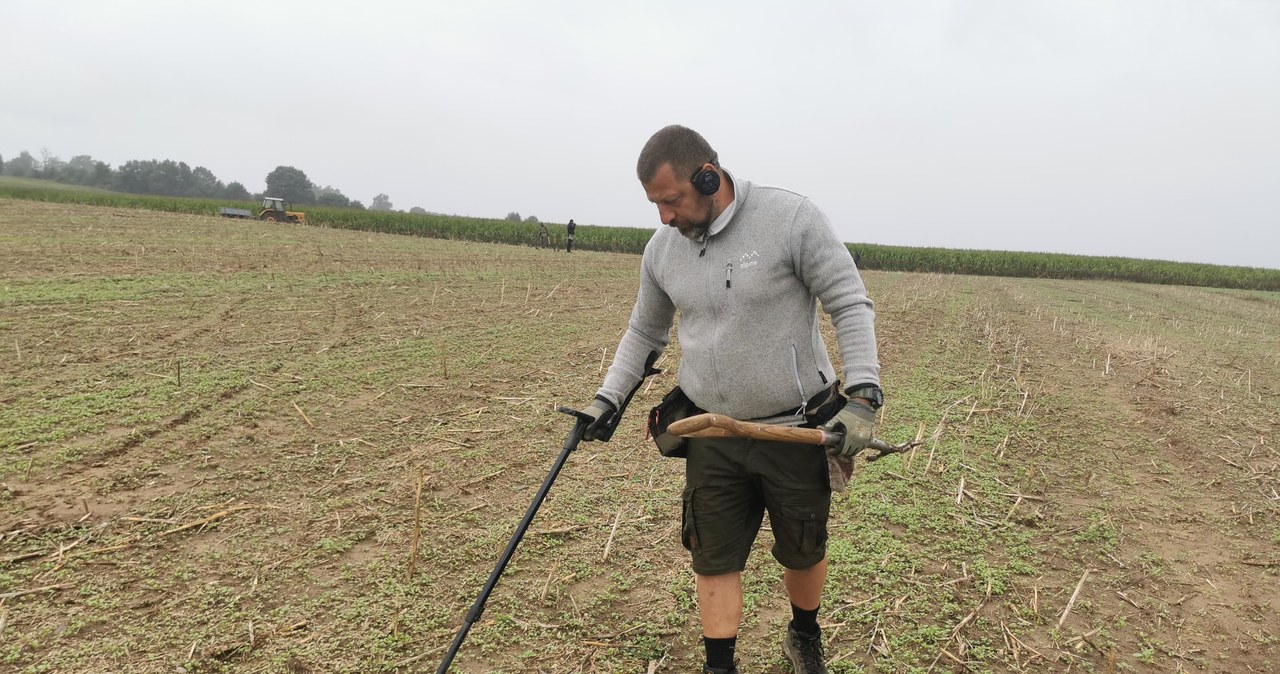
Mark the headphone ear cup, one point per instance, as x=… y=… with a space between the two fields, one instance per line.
x=706 y=181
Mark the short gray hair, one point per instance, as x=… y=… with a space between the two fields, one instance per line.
x=682 y=147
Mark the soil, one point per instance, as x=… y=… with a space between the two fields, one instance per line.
x=229 y=445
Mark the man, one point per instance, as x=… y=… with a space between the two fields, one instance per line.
x=568 y=246
x=745 y=266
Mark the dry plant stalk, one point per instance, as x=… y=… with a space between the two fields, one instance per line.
x=207 y=520
x=304 y=415
x=655 y=664
x=417 y=524
x=35 y=590
x=933 y=439
x=1071 y=602
x=906 y=463
x=259 y=385
x=546 y=587
x=609 y=543
x=460 y=513
x=482 y=478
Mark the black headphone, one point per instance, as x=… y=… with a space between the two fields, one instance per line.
x=706 y=181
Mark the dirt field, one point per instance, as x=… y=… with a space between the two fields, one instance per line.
x=221 y=443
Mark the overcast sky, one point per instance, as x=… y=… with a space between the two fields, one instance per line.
x=1139 y=128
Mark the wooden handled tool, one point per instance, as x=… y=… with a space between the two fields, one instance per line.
x=719 y=426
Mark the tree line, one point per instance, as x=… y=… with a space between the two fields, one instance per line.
x=178 y=179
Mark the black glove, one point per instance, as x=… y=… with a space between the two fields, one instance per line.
x=601 y=411
x=858 y=422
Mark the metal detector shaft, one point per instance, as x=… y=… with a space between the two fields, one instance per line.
x=570 y=443
x=473 y=615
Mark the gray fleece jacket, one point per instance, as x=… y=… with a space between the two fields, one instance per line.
x=747 y=297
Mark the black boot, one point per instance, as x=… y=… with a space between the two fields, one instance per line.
x=804 y=651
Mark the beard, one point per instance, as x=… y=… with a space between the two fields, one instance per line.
x=696 y=230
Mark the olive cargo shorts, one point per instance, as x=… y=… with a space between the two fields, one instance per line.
x=731 y=482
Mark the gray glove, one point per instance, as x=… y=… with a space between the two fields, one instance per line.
x=858 y=422
x=601 y=411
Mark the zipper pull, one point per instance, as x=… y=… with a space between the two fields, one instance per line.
x=728 y=275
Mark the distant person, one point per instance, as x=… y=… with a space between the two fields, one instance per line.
x=568 y=246
x=544 y=237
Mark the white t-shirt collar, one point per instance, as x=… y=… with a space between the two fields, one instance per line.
x=720 y=222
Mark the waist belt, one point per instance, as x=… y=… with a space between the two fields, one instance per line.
x=817 y=410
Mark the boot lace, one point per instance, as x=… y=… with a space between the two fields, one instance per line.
x=810 y=651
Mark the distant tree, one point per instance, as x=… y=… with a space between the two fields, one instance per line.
x=237 y=191
x=533 y=219
x=102 y=174
x=1 y=164
x=132 y=176
x=168 y=178
x=355 y=203
x=49 y=167
x=184 y=180
x=151 y=176
x=382 y=202
x=290 y=184
x=513 y=216
x=80 y=170
x=22 y=166
x=331 y=196
x=205 y=184
x=418 y=210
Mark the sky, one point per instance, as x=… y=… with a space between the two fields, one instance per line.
x=1134 y=128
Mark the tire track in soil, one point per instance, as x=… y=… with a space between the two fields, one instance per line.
x=1176 y=573
x=113 y=464
x=208 y=323
x=1082 y=453
x=135 y=481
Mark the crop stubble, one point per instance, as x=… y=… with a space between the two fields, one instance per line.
x=213 y=431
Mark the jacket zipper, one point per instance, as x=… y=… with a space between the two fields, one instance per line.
x=715 y=315
x=795 y=368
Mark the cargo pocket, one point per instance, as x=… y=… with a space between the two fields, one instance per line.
x=804 y=530
x=688 y=522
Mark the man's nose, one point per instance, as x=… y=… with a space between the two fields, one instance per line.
x=666 y=215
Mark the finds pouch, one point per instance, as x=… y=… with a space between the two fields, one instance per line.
x=674 y=407
x=824 y=406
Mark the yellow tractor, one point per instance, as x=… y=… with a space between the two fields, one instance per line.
x=274 y=209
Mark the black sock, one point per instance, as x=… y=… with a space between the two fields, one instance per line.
x=804 y=622
x=720 y=652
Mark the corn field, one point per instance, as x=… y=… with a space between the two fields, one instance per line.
x=633 y=239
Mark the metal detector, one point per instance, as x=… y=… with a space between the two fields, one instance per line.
x=608 y=425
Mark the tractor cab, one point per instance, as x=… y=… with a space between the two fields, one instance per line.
x=276 y=209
